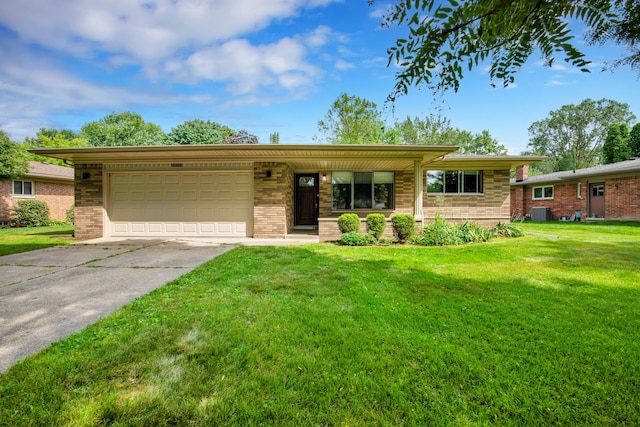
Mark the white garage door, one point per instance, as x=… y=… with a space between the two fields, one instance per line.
x=168 y=204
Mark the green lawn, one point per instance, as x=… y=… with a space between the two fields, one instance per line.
x=15 y=240
x=530 y=331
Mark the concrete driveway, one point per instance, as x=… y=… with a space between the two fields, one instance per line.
x=48 y=294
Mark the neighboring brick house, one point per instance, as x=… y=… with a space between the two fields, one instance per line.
x=50 y=183
x=606 y=192
x=267 y=191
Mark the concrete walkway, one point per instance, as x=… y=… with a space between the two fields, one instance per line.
x=48 y=294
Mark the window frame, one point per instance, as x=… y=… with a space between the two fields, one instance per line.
x=22 y=193
x=543 y=197
x=459 y=179
x=351 y=197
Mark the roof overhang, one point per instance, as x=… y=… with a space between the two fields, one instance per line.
x=298 y=156
x=478 y=162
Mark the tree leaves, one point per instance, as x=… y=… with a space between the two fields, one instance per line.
x=506 y=33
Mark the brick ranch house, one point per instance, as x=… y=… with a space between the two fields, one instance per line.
x=606 y=192
x=50 y=183
x=268 y=191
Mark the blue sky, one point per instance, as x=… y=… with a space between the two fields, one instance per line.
x=264 y=66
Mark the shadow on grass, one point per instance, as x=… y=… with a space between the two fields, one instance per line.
x=328 y=335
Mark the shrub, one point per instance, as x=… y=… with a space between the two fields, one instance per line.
x=473 y=233
x=439 y=233
x=376 y=223
x=508 y=230
x=71 y=214
x=356 y=239
x=349 y=223
x=30 y=213
x=403 y=226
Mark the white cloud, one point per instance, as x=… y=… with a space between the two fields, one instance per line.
x=145 y=32
x=344 y=65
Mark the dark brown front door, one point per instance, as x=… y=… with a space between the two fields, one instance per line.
x=307 y=199
x=596 y=199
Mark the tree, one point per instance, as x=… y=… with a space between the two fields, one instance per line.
x=274 y=138
x=242 y=137
x=52 y=138
x=199 y=132
x=123 y=129
x=616 y=146
x=438 y=130
x=572 y=136
x=634 y=140
x=13 y=161
x=352 y=120
x=445 y=37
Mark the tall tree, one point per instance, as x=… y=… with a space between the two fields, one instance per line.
x=199 y=132
x=242 y=137
x=13 y=161
x=438 y=130
x=352 y=120
x=446 y=37
x=274 y=138
x=52 y=138
x=572 y=136
x=123 y=129
x=616 y=145
x=634 y=140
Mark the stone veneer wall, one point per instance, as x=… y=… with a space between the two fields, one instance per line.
x=328 y=221
x=485 y=209
x=273 y=200
x=89 y=193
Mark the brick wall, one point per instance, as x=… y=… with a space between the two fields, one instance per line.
x=273 y=200
x=89 y=192
x=58 y=197
x=566 y=200
x=485 y=209
x=622 y=198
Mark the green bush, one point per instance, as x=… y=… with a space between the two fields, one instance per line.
x=403 y=226
x=508 y=230
x=349 y=223
x=376 y=223
x=356 y=239
x=439 y=233
x=71 y=214
x=30 y=213
x=473 y=233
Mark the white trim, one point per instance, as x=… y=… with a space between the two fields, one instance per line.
x=533 y=192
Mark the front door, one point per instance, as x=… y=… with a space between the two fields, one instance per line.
x=307 y=199
x=596 y=199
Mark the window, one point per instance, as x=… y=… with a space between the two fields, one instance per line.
x=306 y=181
x=597 y=190
x=454 y=182
x=22 y=188
x=362 y=190
x=542 y=193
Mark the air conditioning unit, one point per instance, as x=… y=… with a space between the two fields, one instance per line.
x=542 y=214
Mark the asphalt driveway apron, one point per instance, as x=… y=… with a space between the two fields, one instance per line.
x=48 y=294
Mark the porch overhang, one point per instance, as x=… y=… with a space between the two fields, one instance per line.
x=299 y=157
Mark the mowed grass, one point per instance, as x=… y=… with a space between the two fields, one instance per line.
x=530 y=331
x=15 y=240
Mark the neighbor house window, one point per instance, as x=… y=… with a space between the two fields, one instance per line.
x=454 y=182
x=362 y=190
x=22 y=188
x=543 y=193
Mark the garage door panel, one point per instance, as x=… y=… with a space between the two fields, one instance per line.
x=207 y=204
